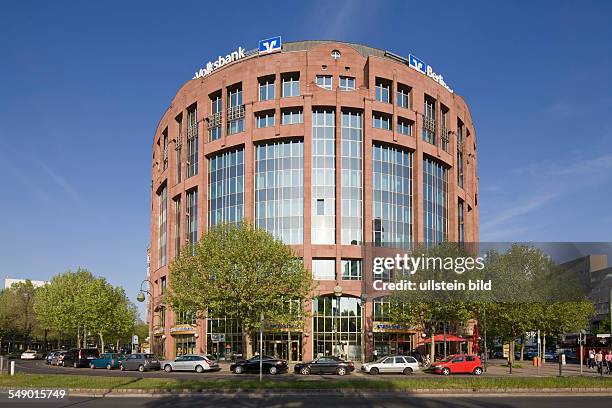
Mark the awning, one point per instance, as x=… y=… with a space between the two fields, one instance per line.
x=438 y=338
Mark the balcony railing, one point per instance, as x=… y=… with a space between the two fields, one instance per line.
x=235 y=112
x=214 y=120
x=429 y=127
x=444 y=139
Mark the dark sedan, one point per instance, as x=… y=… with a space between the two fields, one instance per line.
x=325 y=365
x=269 y=364
x=141 y=362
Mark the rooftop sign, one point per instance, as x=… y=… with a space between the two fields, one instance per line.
x=267 y=46
x=426 y=69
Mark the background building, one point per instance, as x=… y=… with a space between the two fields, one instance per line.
x=8 y=282
x=331 y=147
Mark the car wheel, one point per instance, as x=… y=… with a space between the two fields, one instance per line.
x=477 y=371
x=122 y=367
x=74 y=364
x=141 y=368
x=109 y=367
x=199 y=369
x=341 y=371
x=273 y=370
x=445 y=371
x=305 y=371
x=63 y=364
x=92 y=366
x=374 y=371
x=238 y=370
x=407 y=371
x=168 y=368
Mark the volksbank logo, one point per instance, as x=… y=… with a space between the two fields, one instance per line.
x=221 y=61
x=270 y=45
x=425 y=69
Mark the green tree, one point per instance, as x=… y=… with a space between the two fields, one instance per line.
x=18 y=305
x=240 y=271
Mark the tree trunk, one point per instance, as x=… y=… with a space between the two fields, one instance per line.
x=101 y=341
x=522 y=347
x=432 y=349
x=247 y=348
x=543 y=348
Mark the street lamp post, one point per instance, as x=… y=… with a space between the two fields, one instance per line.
x=141 y=298
x=337 y=294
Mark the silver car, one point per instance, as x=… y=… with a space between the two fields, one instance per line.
x=392 y=364
x=190 y=362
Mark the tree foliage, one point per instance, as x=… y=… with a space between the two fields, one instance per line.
x=240 y=271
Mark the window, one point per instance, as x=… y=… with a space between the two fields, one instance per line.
x=460 y=222
x=435 y=205
x=191 y=216
x=403 y=96
x=279 y=189
x=459 y=152
x=383 y=90
x=235 y=110
x=163 y=284
x=226 y=187
x=347 y=83
x=179 y=148
x=324 y=269
x=214 y=121
x=381 y=121
x=429 y=120
x=162 y=238
x=444 y=139
x=352 y=177
x=335 y=54
x=162 y=316
x=337 y=326
x=265 y=119
x=351 y=269
x=404 y=126
x=391 y=197
x=291 y=84
x=177 y=226
x=165 y=147
x=266 y=88
x=324 y=81
x=323 y=176
x=185 y=317
x=292 y=116
x=192 y=142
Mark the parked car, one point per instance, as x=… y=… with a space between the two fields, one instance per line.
x=392 y=364
x=107 y=360
x=141 y=362
x=190 y=362
x=50 y=355
x=58 y=358
x=80 y=357
x=550 y=355
x=459 y=363
x=31 y=355
x=325 y=365
x=269 y=364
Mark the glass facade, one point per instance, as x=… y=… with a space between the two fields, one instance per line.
x=279 y=189
x=192 y=142
x=352 y=178
x=184 y=344
x=435 y=202
x=226 y=187
x=337 y=327
x=392 y=197
x=223 y=337
x=323 y=177
x=324 y=269
x=191 y=216
x=162 y=237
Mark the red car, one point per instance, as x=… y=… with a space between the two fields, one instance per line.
x=459 y=363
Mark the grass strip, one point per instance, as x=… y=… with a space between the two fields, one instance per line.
x=382 y=384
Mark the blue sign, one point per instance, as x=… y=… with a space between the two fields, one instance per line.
x=270 y=45
x=417 y=64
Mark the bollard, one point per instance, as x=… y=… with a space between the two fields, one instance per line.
x=12 y=367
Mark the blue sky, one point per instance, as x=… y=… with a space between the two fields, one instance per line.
x=83 y=85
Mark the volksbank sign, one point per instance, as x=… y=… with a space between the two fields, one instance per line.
x=425 y=69
x=268 y=46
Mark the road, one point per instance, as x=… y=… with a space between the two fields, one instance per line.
x=389 y=400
